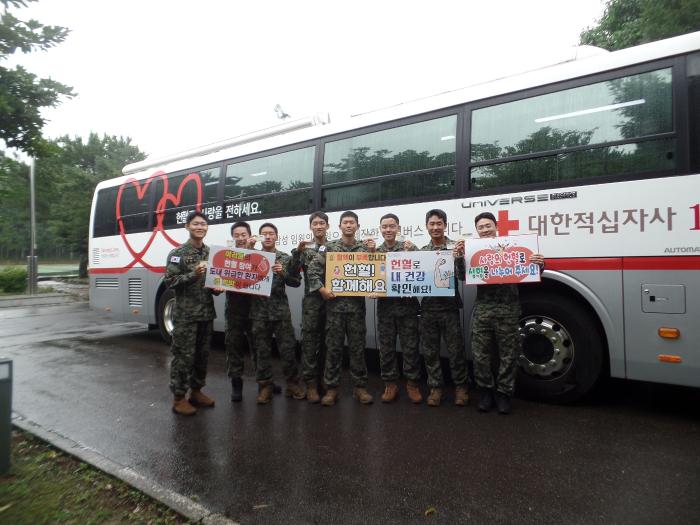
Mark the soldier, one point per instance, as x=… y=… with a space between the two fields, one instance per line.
x=345 y=316
x=271 y=316
x=496 y=316
x=237 y=315
x=193 y=317
x=440 y=319
x=313 y=307
x=397 y=316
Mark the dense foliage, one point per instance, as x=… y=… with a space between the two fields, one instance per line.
x=627 y=23
x=23 y=94
x=66 y=176
x=13 y=280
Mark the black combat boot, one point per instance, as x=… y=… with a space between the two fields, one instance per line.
x=237 y=389
x=485 y=400
x=503 y=403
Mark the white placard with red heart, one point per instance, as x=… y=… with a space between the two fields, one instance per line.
x=240 y=270
x=501 y=260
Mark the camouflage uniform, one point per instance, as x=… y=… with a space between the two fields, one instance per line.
x=496 y=317
x=238 y=334
x=344 y=316
x=193 y=317
x=440 y=318
x=271 y=316
x=398 y=316
x=313 y=322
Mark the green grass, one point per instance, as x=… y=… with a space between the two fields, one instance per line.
x=45 y=485
x=48 y=269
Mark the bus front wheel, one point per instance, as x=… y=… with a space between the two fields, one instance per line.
x=562 y=350
x=166 y=303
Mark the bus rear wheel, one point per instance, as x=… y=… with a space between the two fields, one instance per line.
x=561 y=358
x=166 y=303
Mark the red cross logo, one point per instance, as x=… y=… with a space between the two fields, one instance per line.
x=506 y=226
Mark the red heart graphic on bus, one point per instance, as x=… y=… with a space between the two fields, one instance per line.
x=175 y=200
x=140 y=194
x=245 y=268
x=502 y=263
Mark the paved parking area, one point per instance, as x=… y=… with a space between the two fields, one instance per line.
x=630 y=457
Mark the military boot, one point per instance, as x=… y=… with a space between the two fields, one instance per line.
x=391 y=392
x=264 y=393
x=182 y=406
x=413 y=392
x=435 y=397
x=461 y=396
x=312 y=393
x=330 y=397
x=294 y=390
x=362 y=395
x=236 y=389
x=485 y=400
x=503 y=403
x=198 y=398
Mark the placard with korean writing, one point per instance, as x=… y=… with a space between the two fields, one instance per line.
x=501 y=260
x=356 y=273
x=240 y=270
x=412 y=274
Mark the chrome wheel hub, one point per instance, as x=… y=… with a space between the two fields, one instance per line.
x=547 y=348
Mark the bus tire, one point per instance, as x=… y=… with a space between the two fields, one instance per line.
x=166 y=302
x=561 y=358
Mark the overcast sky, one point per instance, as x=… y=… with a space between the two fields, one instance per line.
x=173 y=75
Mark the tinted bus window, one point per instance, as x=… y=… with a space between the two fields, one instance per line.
x=642 y=157
x=292 y=170
x=420 y=146
x=105 y=218
x=621 y=109
x=416 y=160
x=271 y=185
x=624 y=109
x=186 y=191
x=432 y=182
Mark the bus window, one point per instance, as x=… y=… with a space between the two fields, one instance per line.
x=192 y=186
x=104 y=219
x=134 y=209
x=413 y=161
x=693 y=74
x=572 y=130
x=642 y=157
x=270 y=185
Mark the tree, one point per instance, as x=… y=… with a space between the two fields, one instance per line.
x=14 y=209
x=66 y=177
x=627 y=23
x=22 y=94
x=77 y=167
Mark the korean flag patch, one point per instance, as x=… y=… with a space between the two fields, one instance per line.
x=175 y=259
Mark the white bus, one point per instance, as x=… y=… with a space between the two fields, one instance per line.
x=600 y=157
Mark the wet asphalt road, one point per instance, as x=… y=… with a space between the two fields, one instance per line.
x=630 y=456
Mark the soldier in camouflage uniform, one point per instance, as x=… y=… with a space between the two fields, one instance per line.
x=440 y=319
x=345 y=316
x=313 y=307
x=238 y=335
x=271 y=316
x=495 y=318
x=397 y=317
x=193 y=317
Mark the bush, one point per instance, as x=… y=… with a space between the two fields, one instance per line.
x=13 y=280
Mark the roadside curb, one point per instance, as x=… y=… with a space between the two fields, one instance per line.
x=182 y=504
x=44 y=299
